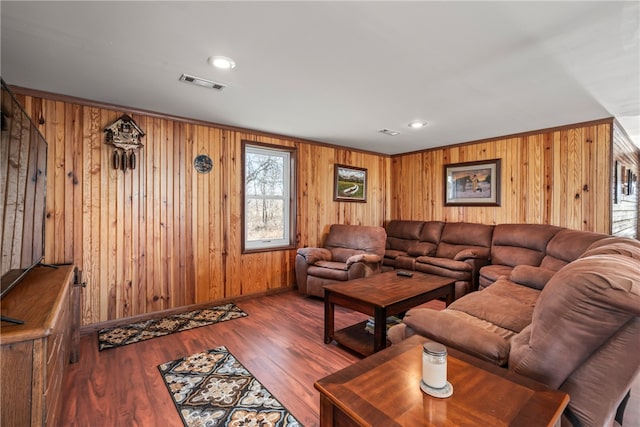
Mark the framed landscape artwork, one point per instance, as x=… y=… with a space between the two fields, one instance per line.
x=349 y=184
x=472 y=183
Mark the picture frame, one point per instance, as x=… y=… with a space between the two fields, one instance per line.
x=349 y=184
x=472 y=183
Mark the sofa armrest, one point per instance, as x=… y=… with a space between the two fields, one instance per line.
x=366 y=258
x=473 y=253
x=313 y=255
x=533 y=277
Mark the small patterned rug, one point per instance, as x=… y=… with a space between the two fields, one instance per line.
x=213 y=389
x=135 y=332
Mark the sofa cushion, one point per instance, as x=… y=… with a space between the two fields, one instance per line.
x=566 y=246
x=504 y=304
x=432 y=231
x=329 y=270
x=404 y=230
x=518 y=244
x=461 y=235
x=343 y=254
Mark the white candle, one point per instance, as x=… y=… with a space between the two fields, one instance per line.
x=434 y=365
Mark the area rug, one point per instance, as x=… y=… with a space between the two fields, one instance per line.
x=136 y=332
x=213 y=389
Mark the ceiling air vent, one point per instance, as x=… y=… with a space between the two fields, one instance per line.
x=389 y=132
x=202 y=82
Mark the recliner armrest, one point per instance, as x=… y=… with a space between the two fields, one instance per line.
x=531 y=276
x=313 y=255
x=367 y=258
x=473 y=253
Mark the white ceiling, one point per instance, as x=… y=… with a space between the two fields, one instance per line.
x=336 y=72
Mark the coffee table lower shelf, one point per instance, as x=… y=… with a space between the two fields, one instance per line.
x=356 y=338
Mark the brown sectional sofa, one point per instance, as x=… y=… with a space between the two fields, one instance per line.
x=558 y=305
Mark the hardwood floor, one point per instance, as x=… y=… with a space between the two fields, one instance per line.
x=280 y=343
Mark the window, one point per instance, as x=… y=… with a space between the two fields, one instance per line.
x=269 y=202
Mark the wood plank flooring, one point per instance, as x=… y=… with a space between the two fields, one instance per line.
x=280 y=342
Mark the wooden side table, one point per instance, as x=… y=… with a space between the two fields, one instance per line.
x=384 y=390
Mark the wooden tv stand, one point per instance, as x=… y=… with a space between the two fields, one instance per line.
x=34 y=355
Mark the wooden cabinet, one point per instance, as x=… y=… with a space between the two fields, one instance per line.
x=34 y=356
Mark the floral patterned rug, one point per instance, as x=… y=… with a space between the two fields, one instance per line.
x=213 y=389
x=136 y=332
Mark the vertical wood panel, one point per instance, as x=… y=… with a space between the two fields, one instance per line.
x=556 y=177
x=163 y=236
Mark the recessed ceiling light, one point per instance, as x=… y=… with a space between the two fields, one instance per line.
x=222 y=62
x=417 y=124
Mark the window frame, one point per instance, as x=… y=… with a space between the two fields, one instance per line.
x=282 y=244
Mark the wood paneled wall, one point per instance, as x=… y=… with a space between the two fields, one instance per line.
x=626 y=207
x=558 y=177
x=162 y=235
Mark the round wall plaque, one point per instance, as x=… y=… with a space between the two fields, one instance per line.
x=202 y=163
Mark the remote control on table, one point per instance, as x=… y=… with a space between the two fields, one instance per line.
x=404 y=273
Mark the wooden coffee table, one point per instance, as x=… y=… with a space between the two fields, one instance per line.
x=384 y=390
x=381 y=295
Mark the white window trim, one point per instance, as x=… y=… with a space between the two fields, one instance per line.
x=288 y=197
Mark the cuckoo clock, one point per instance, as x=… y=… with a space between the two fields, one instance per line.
x=124 y=134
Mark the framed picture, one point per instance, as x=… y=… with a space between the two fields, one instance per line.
x=472 y=183
x=349 y=184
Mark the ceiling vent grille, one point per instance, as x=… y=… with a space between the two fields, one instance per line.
x=389 y=132
x=201 y=82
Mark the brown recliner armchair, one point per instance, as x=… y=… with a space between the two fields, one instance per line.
x=349 y=252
